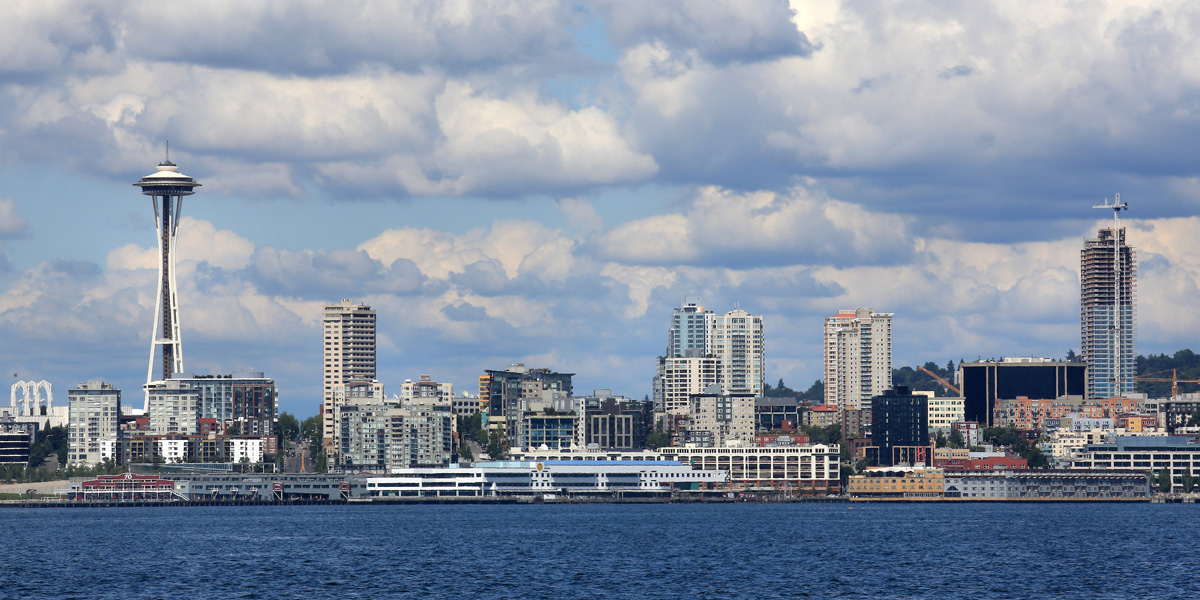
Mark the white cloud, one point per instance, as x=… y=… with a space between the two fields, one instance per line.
x=12 y=225
x=727 y=228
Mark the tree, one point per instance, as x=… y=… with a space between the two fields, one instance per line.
x=312 y=427
x=464 y=451
x=1188 y=483
x=497 y=444
x=1071 y=355
x=1036 y=458
x=658 y=439
x=289 y=426
x=234 y=429
x=940 y=440
x=1194 y=420
x=956 y=438
x=1164 y=480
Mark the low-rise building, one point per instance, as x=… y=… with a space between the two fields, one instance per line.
x=896 y=483
x=619 y=478
x=802 y=470
x=720 y=418
x=1045 y=484
x=821 y=415
x=776 y=414
x=944 y=412
x=377 y=438
x=15 y=439
x=1143 y=454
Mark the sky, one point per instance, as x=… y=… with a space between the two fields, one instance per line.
x=543 y=182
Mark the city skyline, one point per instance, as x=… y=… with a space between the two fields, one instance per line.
x=545 y=187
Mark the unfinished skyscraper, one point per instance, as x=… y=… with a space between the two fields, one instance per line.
x=1108 y=310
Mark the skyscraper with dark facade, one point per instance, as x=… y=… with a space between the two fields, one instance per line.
x=899 y=420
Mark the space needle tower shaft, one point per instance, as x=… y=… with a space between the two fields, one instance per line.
x=166 y=188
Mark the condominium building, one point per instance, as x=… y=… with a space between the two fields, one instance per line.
x=378 y=438
x=738 y=342
x=173 y=407
x=680 y=378
x=427 y=391
x=692 y=331
x=93 y=411
x=349 y=353
x=1108 y=314
x=718 y=418
x=728 y=349
x=245 y=400
x=858 y=357
x=511 y=391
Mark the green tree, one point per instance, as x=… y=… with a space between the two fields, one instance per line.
x=497 y=444
x=1164 y=480
x=312 y=427
x=1188 y=483
x=464 y=451
x=956 y=438
x=289 y=426
x=1194 y=420
x=658 y=439
x=234 y=429
x=940 y=440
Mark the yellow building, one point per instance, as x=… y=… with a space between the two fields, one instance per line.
x=910 y=483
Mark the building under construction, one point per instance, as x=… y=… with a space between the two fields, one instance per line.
x=1108 y=314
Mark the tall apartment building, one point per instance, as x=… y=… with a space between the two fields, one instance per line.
x=349 y=353
x=679 y=378
x=1108 y=314
x=738 y=342
x=692 y=331
x=92 y=422
x=858 y=357
x=705 y=349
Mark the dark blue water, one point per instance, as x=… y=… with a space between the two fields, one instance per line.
x=605 y=551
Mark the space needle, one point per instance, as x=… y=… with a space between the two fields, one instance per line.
x=166 y=188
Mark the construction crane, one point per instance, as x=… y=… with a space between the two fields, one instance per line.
x=1174 y=380
x=948 y=385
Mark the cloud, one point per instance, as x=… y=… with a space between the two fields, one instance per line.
x=726 y=228
x=720 y=32
x=12 y=225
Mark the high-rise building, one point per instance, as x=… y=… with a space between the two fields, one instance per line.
x=1108 y=314
x=858 y=357
x=984 y=384
x=426 y=391
x=166 y=188
x=93 y=423
x=692 y=330
x=900 y=425
x=349 y=352
x=738 y=342
x=705 y=349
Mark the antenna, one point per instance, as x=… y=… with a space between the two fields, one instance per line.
x=1118 y=320
x=168 y=150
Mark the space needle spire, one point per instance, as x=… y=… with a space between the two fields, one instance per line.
x=166 y=188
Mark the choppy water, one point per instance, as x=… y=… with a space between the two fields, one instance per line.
x=605 y=551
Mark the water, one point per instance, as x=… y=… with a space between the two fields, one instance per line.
x=604 y=551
